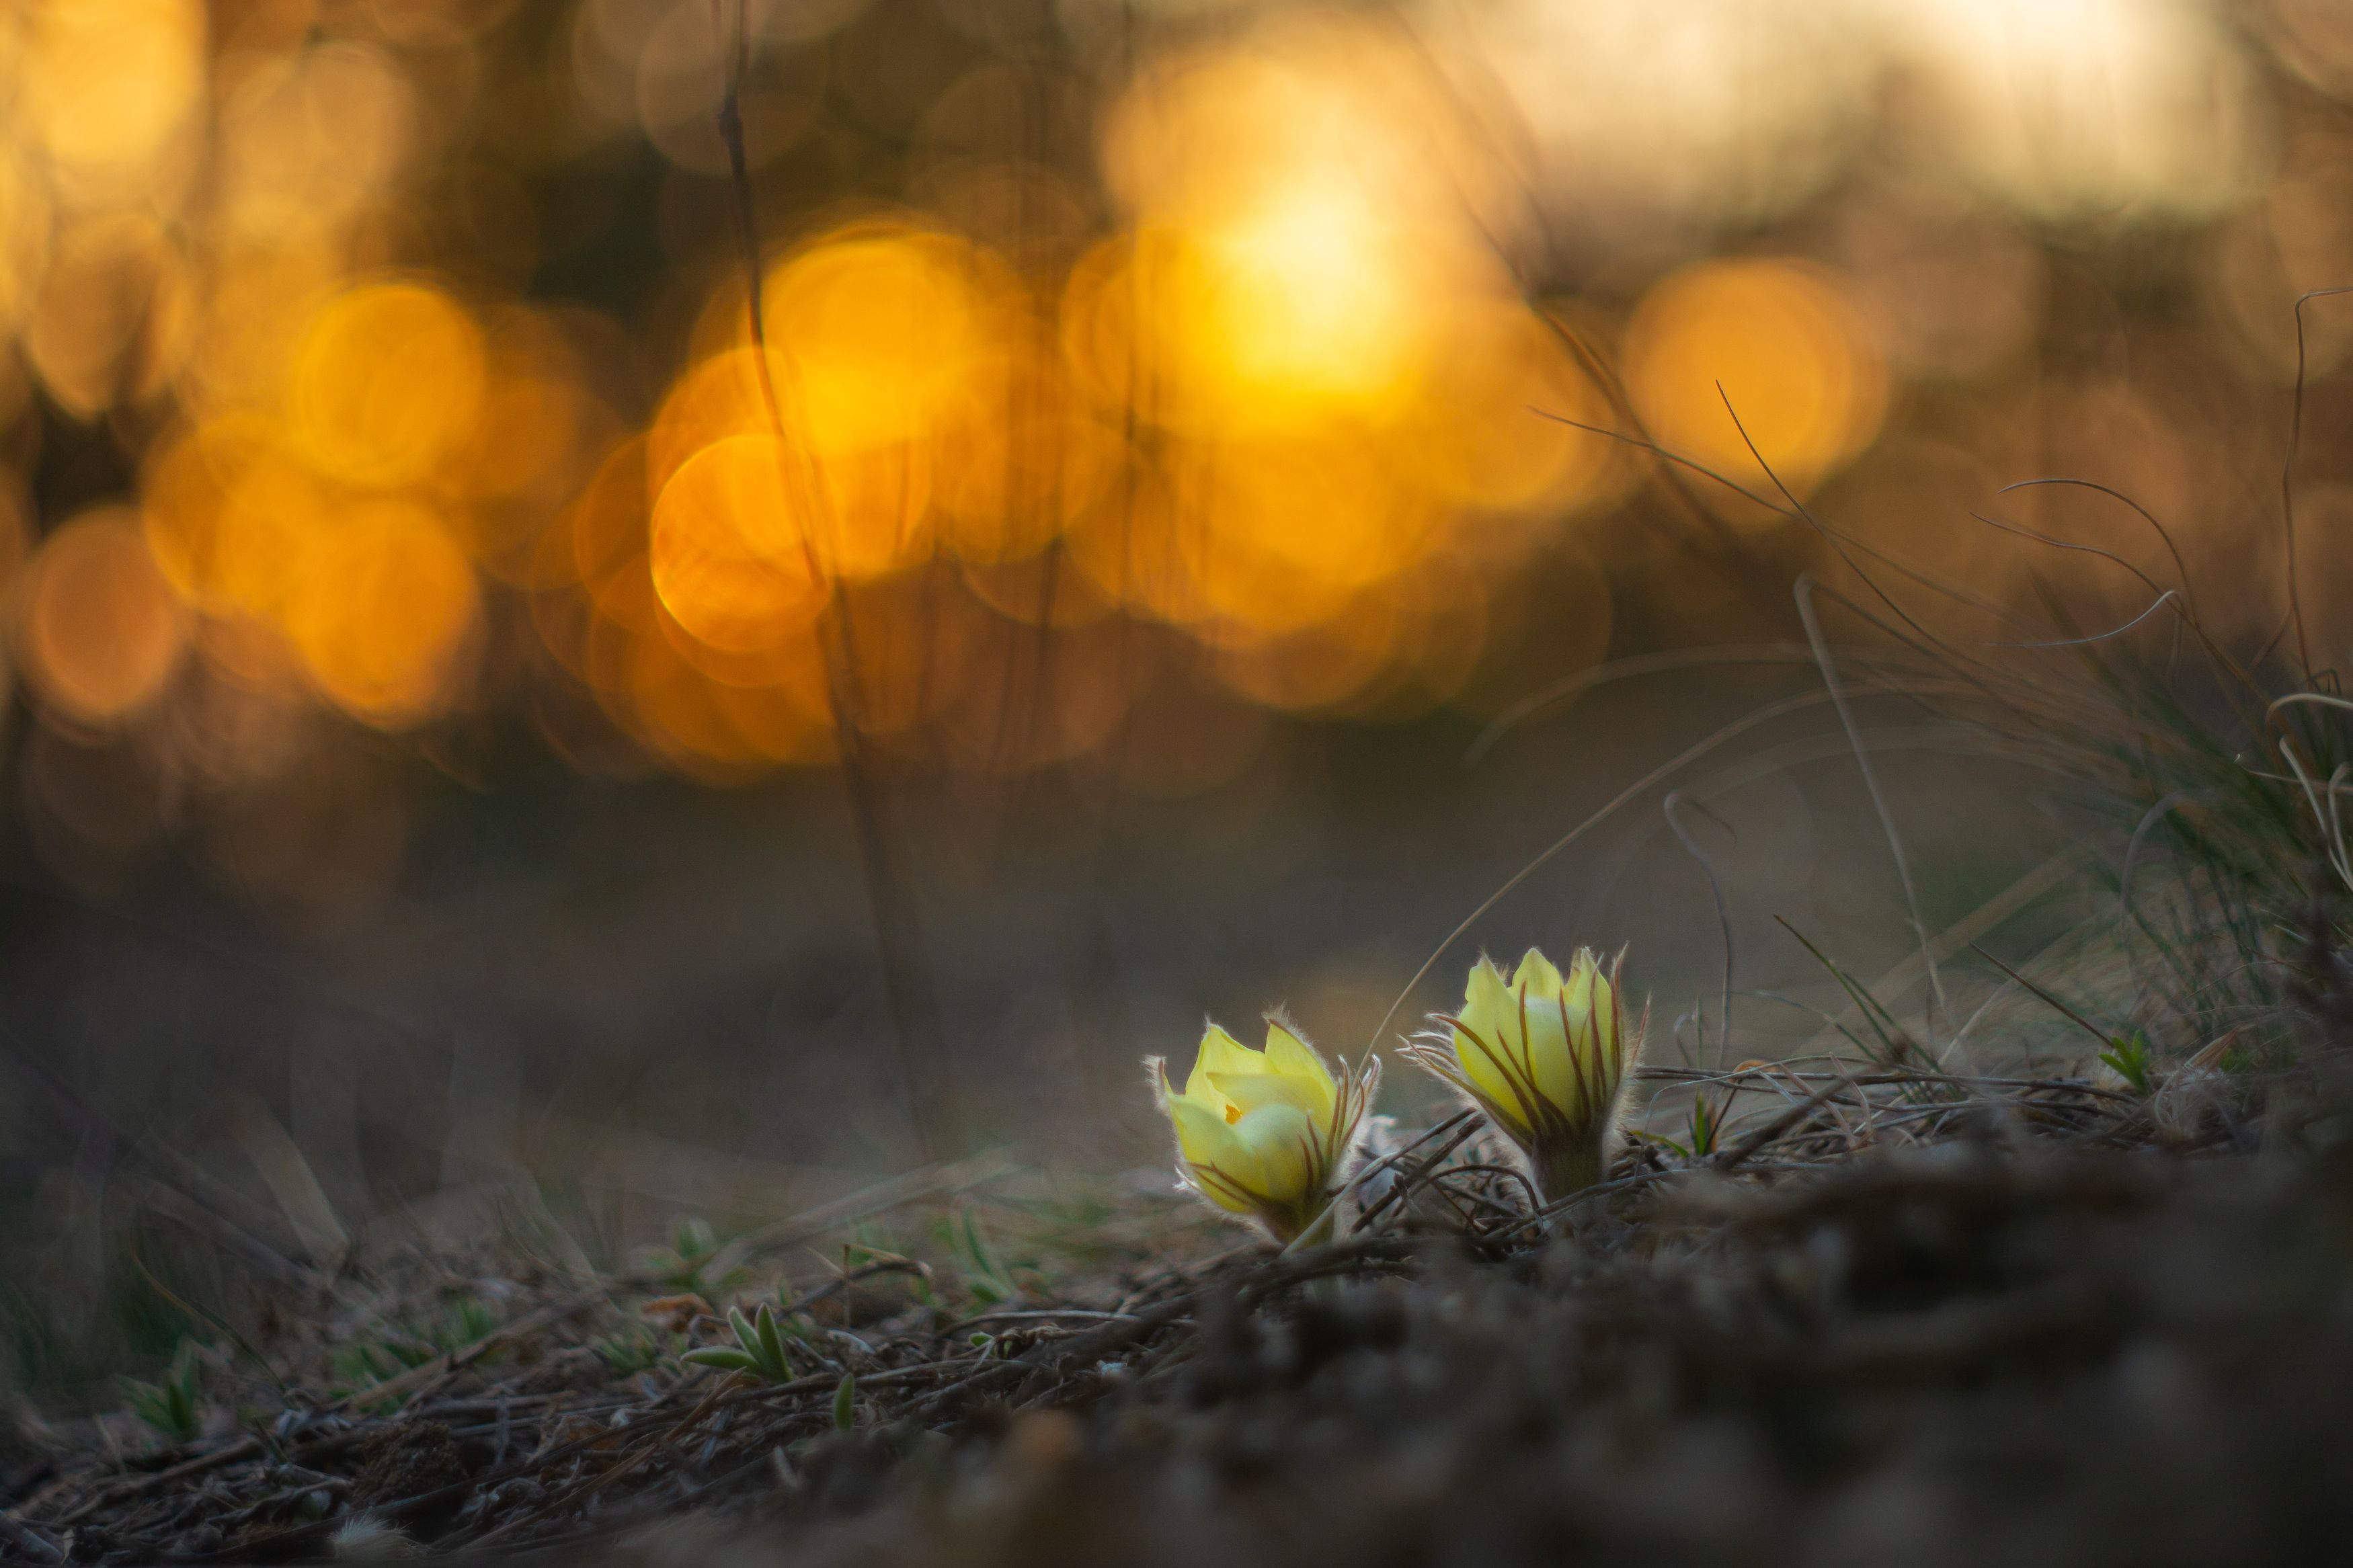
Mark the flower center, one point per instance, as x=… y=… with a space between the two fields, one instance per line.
x=1233 y=1114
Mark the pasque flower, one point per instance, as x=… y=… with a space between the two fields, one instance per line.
x=1545 y=1056
x=1266 y=1134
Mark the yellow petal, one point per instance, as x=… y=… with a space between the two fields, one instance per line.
x=1221 y=1052
x=1536 y=978
x=1201 y=1134
x=1487 y=1042
x=1486 y=1000
x=1207 y=1142
x=1290 y=1057
x=1555 y=1031
x=1252 y=1089
x=1283 y=1149
x=1590 y=989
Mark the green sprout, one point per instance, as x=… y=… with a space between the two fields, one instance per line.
x=693 y=1248
x=985 y=1276
x=1706 y=1127
x=468 y=1321
x=845 y=1403
x=638 y=1348
x=1701 y=1133
x=357 y=1369
x=398 y=1348
x=2129 y=1056
x=172 y=1404
x=2127 y=1053
x=759 y=1348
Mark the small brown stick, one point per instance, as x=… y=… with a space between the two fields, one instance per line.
x=1399 y=1195
x=1511 y=1173
x=1050 y=1313
x=122 y=1492
x=1459 y=1120
x=1275 y=1274
x=1733 y=1158
x=1599 y=1190
x=1881 y=1077
x=561 y=1504
x=1444 y=1182
x=336 y=1485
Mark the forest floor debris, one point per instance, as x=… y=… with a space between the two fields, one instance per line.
x=1862 y=1309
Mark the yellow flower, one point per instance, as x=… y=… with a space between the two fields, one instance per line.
x=1265 y=1134
x=1545 y=1057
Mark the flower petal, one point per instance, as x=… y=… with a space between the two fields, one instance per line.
x=1219 y=1052
x=1589 y=987
x=1487 y=1043
x=1557 y=1029
x=1294 y=1058
x=1486 y=999
x=1202 y=1135
x=1252 y=1089
x=1289 y=1165
x=1536 y=978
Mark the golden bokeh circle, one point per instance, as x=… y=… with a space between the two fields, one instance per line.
x=99 y=628
x=387 y=381
x=731 y=556
x=385 y=612
x=1782 y=344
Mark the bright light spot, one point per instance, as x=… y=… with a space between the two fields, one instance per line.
x=1299 y=228
x=387 y=383
x=1672 y=108
x=1667 y=114
x=877 y=333
x=2086 y=106
x=875 y=511
x=307 y=140
x=729 y=552
x=110 y=83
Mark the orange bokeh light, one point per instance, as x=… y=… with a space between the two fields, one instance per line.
x=1007 y=484
x=712 y=399
x=387 y=382
x=1299 y=229
x=99 y=628
x=384 y=611
x=1794 y=355
x=110 y=82
x=227 y=509
x=730 y=552
x=1481 y=436
x=879 y=335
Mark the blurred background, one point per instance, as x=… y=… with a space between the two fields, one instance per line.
x=478 y=716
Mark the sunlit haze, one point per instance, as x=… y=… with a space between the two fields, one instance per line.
x=1302 y=356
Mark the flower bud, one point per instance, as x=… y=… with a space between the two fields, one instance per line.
x=1266 y=1134
x=1545 y=1057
